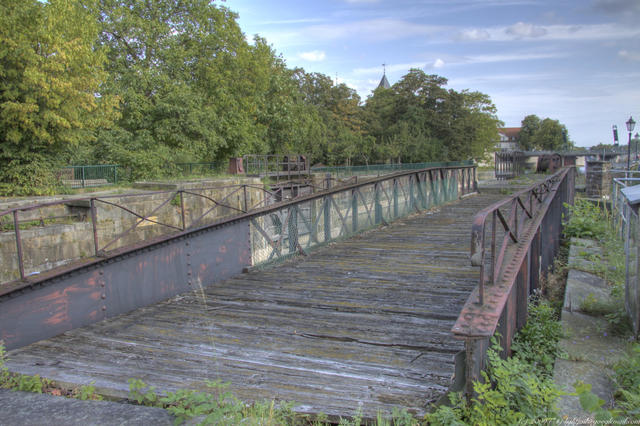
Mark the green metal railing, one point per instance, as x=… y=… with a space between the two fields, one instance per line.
x=87 y=176
x=383 y=169
x=340 y=212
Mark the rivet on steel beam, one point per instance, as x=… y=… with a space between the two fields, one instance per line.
x=104 y=308
x=104 y=296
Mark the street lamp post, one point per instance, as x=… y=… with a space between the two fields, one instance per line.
x=630 y=125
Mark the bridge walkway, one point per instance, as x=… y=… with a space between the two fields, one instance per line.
x=363 y=323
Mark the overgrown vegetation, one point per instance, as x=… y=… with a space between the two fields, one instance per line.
x=146 y=84
x=517 y=389
x=589 y=220
x=552 y=286
x=219 y=406
x=628 y=383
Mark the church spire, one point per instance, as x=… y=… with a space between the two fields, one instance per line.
x=384 y=83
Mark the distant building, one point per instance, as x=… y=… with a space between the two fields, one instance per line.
x=508 y=138
x=384 y=83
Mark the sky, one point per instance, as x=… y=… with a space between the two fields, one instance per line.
x=576 y=61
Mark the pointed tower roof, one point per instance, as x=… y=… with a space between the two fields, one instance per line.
x=384 y=83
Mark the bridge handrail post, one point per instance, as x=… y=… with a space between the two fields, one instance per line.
x=94 y=225
x=16 y=227
x=182 y=212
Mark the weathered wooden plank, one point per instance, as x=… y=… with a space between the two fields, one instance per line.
x=361 y=323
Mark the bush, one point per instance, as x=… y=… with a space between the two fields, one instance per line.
x=34 y=178
x=537 y=342
x=627 y=377
x=586 y=220
x=517 y=389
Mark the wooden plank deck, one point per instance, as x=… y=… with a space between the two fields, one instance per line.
x=363 y=323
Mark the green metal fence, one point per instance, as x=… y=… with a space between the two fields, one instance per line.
x=88 y=176
x=340 y=212
x=383 y=169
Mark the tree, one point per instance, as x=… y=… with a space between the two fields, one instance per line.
x=552 y=136
x=529 y=127
x=547 y=134
x=181 y=69
x=50 y=89
x=417 y=119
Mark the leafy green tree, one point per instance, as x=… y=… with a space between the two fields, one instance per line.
x=529 y=127
x=177 y=67
x=546 y=134
x=417 y=119
x=50 y=89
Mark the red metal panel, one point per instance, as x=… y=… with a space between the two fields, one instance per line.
x=123 y=283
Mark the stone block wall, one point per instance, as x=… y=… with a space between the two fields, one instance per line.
x=598 y=180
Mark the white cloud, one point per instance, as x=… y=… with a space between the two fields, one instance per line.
x=631 y=56
x=486 y=59
x=522 y=30
x=313 y=56
x=373 y=29
x=438 y=63
x=526 y=31
x=473 y=35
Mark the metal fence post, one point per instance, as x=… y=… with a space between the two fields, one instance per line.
x=182 y=213
x=354 y=210
x=327 y=211
x=378 y=206
x=395 y=197
x=246 y=201
x=412 y=201
x=293 y=229
x=94 y=225
x=16 y=227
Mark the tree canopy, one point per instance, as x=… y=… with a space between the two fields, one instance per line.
x=546 y=134
x=149 y=83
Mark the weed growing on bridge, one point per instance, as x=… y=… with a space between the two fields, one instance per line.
x=517 y=389
x=19 y=382
x=219 y=406
x=37 y=384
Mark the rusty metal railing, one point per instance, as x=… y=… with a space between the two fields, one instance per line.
x=513 y=242
x=199 y=254
x=509 y=164
x=168 y=215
